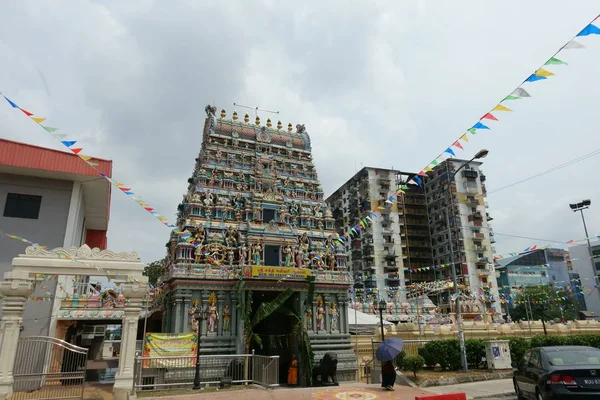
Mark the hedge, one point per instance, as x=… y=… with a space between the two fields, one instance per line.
x=446 y=353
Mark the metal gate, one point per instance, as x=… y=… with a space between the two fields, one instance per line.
x=47 y=368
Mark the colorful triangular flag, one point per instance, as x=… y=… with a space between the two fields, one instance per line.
x=26 y=112
x=49 y=129
x=573 y=45
x=77 y=150
x=500 y=107
x=39 y=120
x=520 y=92
x=449 y=151
x=489 y=116
x=479 y=125
x=464 y=137
x=472 y=130
x=534 y=78
x=13 y=105
x=555 y=61
x=511 y=97
x=68 y=143
x=457 y=144
x=543 y=72
x=591 y=29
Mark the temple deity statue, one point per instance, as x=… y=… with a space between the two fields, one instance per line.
x=243 y=256
x=299 y=258
x=287 y=256
x=230 y=257
x=200 y=235
x=257 y=253
x=309 y=319
x=304 y=243
x=231 y=237
x=333 y=315
x=192 y=315
x=213 y=314
x=320 y=314
x=226 y=318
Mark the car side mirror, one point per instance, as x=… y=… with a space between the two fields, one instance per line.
x=515 y=365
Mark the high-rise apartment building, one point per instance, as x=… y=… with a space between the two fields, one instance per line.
x=397 y=240
x=457 y=198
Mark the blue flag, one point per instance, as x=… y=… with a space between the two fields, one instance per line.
x=534 y=78
x=589 y=30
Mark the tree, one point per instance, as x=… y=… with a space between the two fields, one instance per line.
x=153 y=271
x=546 y=303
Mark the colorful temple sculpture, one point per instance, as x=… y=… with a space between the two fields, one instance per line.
x=253 y=229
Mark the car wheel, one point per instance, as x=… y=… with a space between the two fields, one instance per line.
x=518 y=391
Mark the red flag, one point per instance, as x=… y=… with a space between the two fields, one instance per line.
x=77 y=150
x=26 y=112
x=149 y=209
x=457 y=144
x=422 y=173
x=124 y=189
x=489 y=116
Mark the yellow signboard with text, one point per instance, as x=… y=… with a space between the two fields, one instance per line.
x=170 y=350
x=279 y=273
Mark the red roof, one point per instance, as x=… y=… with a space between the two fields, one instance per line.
x=22 y=155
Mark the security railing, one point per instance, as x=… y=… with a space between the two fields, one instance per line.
x=162 y=373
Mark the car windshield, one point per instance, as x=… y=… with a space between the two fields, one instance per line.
x=574 y=357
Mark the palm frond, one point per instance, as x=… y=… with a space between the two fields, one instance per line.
x=266 y=309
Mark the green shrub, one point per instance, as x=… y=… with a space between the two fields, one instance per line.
x=475 y=349
x=518 y=347
x=427 y=355
x=414 y=363
x=400 y=359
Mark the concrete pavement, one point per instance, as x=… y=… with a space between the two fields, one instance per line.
x=350 y=391
x=479 y=390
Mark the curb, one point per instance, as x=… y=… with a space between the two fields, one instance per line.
x=497 y=395
x=466 y=379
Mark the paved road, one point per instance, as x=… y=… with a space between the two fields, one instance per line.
x=480 y=390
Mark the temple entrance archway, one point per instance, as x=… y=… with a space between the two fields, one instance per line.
x=123 y=268
x=277 y=331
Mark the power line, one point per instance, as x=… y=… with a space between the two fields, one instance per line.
x=530 y=238
x=556 y=168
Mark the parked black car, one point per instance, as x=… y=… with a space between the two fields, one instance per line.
x=557 y=373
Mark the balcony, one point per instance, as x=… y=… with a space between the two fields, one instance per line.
x=392 y=277
x=481 y=248
x=419 y=243
x=415 y=211
x=389 y=256
x=478 y=236
x=470 y=174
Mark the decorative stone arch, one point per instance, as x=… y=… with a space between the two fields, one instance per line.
x=18 y=285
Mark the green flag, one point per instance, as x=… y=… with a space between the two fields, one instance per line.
x=511 y=97
x=434 y=162
x=472 y=130
x=48 y=129
x=555 y=61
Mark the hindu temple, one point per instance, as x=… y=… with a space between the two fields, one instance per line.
x=255 y=249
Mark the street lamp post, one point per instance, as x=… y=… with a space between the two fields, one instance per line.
x=582 y=205
x=200 y=315
x=459 y=321
x=381 y=306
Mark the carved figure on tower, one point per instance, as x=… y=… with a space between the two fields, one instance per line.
x=243 y=256
x=232 y=237
x=213 y=315
x=333 y=315
x=193 y=321
x=226 y=318
x=287 y=256
x=257 y=253
x=200 y=235
x=304 y=243
x=320 y=314
x=299 y=258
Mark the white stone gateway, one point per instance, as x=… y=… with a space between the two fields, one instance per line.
x=18 y=285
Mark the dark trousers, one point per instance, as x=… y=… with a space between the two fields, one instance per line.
x=388 y=379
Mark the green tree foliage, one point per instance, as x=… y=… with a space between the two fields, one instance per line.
x=413 y=363
x=546 y=303
x=153 y=271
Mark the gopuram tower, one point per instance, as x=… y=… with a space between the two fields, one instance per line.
x=255 y=249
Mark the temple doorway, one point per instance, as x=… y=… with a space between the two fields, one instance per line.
x=277 y=332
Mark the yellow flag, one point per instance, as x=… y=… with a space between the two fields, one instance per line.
x=39 y=120
x=500 y=107
x=464 y=137
x=427 y=169
x=381 y=207
x=85 y=157
x=543 y=72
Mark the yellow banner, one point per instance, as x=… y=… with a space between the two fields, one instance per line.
x=280 y=272
x=162 y=346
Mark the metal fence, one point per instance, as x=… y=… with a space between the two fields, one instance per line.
x=48 y=368
x=410 y=347
x=160 y=373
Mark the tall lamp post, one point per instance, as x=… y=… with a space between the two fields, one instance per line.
x=200 y=315
x=582 y=205
x=381 y=306
x=459 y=322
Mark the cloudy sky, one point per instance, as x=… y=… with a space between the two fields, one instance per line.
x=377 y=83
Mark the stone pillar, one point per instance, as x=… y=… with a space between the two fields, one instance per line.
x=343 y=311
x=237 y=322
x=221 y=300
x=178 y=313
x=187 y=305
x=16 y=288
x=134 y=293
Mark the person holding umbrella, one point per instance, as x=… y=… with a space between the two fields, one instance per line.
x=387 y=351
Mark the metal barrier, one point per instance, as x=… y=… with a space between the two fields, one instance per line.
x=160 y=373
x=47 y=368
x=410 y=347
x=265 y=370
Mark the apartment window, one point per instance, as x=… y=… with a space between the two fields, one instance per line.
x=22 y=206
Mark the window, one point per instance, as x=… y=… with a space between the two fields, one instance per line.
x=268 y=215
x=535 y=361
x=22 y=206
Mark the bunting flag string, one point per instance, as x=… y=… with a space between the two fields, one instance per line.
x=74 y=148
x=540 y=74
